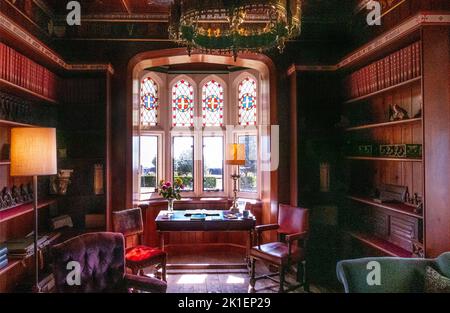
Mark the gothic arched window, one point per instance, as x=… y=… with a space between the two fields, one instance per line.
x=149 y=102
x=247 y=101
x=182 y=104
x=212 y=104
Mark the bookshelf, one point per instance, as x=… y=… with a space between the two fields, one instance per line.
x=395 y=78
x=25 y=78
x=394 y=228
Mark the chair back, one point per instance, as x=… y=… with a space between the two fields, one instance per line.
x=292 y=219
x=128 y=222
x=99 y=257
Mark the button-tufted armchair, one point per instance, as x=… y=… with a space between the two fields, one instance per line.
x=101 y=259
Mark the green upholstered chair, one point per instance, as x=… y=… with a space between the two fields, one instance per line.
x=398 y=275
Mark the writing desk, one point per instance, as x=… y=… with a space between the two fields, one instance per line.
x=215 y=220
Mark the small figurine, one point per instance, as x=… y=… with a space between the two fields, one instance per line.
x=16 y=194
x=397 y=113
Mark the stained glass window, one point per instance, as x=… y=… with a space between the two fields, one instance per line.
x=212 y=104
x=247 y=102
x=182 y=104
x=149 y=102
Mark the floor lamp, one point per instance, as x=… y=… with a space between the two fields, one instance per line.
x=235 y=156
x=33 y=153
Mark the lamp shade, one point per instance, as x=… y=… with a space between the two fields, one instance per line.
x=33 y=151
x=236 y=154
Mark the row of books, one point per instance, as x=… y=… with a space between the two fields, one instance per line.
x=24 y=247
x=398 y=67
x=23 y=72
x=3 y=256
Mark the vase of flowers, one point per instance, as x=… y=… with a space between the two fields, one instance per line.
x=170 y=192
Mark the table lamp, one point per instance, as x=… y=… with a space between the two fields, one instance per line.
x=33 y=153
x=235 y=156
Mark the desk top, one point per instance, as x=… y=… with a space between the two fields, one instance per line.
x=203 y=220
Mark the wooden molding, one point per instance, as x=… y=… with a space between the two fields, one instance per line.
x=23 y=36
x=407 y=27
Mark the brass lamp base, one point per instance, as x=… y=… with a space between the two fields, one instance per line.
x=234 y=207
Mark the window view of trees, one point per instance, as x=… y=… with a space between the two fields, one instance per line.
x=149 y=163
x=248 y=181
x=213 y=163
x=183 y=161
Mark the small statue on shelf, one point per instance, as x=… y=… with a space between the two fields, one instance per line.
x=397 y=113
x=16 y=194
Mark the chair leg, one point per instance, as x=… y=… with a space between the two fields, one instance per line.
x=163 y=270
x=305 y=277
x=252 y=282
x=282 y=271
x=300 y=276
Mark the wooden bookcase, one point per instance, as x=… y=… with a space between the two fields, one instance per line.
x=395 y=229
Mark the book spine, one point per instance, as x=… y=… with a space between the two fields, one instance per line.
x=2 y=60
x=418 y=59
x=387 y=71
x=409 y=62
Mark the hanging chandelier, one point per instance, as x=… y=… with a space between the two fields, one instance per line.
x=221 y=26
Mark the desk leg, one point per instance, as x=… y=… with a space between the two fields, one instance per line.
x=247 y=252
x=161 y=240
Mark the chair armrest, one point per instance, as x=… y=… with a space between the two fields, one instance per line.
x=296 y=236
x=145 y=283
x=261 y=228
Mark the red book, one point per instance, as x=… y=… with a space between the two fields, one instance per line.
x=387 y=71
x=395 y=69
x=401 y=66
x=28 y=74
x=13 y=68
x=2 y=60
x=374 y=77
x=418 y=58
x=409 y=62
x=33 y=76
x=380 y=74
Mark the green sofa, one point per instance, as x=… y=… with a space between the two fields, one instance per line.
x=397 y=275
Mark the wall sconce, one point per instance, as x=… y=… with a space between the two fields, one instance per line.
x=98 y=179
x=324 y=177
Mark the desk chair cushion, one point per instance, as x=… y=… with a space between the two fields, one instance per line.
x=277 y=252
x=143 y=256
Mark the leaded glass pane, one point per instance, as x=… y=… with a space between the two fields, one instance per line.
x=149 y=102
x=212 y=104
x=247 y=102
x=183 y=104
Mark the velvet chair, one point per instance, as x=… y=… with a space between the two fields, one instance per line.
x=130 y=224
x=292 y=230
x=101 y=261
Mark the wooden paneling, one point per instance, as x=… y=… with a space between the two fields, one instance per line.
x=436 y=83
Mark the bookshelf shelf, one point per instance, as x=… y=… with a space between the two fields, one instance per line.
x=23 y=92
x=385 y=124
x=5 y=162
x=380 y=244
x=11 y=213
x=373 y=94
x=383 y=159
x=395 y=207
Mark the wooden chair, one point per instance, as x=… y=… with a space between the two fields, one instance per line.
x=130 y=223
x=292 y=229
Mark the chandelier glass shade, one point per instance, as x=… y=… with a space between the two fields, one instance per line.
x=220 y=26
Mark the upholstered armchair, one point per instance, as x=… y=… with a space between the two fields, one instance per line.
x=398 y=275
x=101 y=259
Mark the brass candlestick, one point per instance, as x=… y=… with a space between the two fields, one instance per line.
x=234 y=207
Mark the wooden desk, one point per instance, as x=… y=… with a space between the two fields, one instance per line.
x=214 y=221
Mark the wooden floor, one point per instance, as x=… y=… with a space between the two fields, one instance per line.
x=219 y=280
